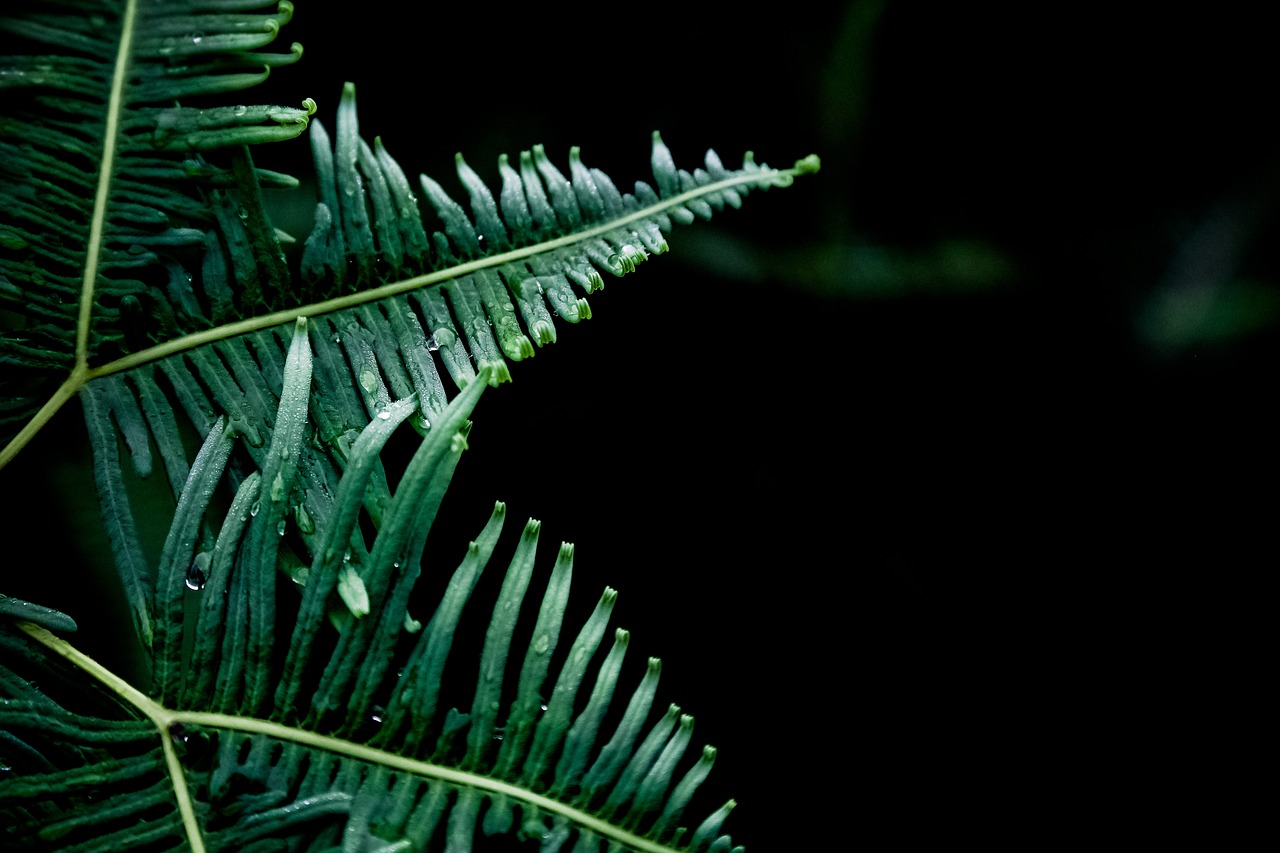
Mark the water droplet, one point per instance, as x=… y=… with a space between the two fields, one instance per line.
x=280 y=528
x=378 y=713
x=426 y=424
x=541 y=644
x=306 y=524
x=368 y=381
x=384 y=415
x=253 y=510
x=277 y=488
x=196 y=38
x=198 y=571
x=432 y=346
x=241 y=109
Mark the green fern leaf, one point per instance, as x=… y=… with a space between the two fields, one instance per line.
x=350 y=742
x=294 y=700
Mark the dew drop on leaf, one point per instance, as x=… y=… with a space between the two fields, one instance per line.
x=198 y=571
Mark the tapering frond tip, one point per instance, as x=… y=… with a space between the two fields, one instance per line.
x=808 y=166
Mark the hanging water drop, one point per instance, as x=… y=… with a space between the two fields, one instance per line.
x=280 y=527
x=198 y=571
x=432 y=346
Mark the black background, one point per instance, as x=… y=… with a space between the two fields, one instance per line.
x=895 y=543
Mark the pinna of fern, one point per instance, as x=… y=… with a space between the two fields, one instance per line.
x=259 y=747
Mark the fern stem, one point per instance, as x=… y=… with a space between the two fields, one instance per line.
x=164 y=718
x=462 y=778
x=774 y=177
x=161 y=716
x=114 y=107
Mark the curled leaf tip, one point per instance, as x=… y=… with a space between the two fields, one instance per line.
x=809 y=165
x=308 y=104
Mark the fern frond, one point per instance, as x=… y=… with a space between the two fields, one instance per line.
x=350 y=742
x=293 y=698
x=106 y=199
x=517 y=260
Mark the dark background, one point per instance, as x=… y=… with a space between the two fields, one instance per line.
x=894 y=468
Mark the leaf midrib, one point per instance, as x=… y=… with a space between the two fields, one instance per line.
x=83 y=372
x=165 y=718
x=115 y=104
